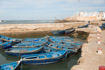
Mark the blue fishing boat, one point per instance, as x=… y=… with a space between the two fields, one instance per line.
x=102 y=26
x=1 y=42
x=69 y=48
x=11 y=66
x=84 y=26
x=66 y=31
x=23 y=51
x=58 y=32
x=35 y=40
x=6 y=45
x=29 y=44
x=4 y=38
x=44 y=58
x=49 y=49
x=70 y=30
x=78 y=44
x=59 y=39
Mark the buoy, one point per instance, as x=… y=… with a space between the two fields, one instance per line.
x=99 y=51
x=101 y=67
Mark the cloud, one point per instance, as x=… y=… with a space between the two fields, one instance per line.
x=28 y=3
x=97 y=2
x=47 y=3
x=48 y=8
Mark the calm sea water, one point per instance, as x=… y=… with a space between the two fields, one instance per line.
x=26 y=21
x=62 y=65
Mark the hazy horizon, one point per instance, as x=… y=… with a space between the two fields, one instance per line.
x=46 y=9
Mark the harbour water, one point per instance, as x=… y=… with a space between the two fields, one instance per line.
x=62 y=65
x=26 y=21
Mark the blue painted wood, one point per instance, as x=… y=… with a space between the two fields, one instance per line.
x=102 y=26
x=84 y=26
x=6 y=45
x=23 y=51
x=70 y=47
x=58 y=32
x=9 y=38
x=59 y=39
x=70 y=30
x=44 y=58
x=11 y=66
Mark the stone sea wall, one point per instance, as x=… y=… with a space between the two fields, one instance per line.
x=90 y=59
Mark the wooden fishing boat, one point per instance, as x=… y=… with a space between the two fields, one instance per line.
x=35 y=40
x=6 y=45
x=69 y=48
x=102 y=26
x=48 y=49
x=23 y=51
x=44 y=58
x=66 y=31
x=78 y=44
x=70 y=30
x=29 y=44
x=11 y=66
x=4 y=38
x=84 y=26
x=58 y=32
x=59 y=39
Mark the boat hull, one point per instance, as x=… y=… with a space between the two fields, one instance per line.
x=102 y=26
x=11 y=66
x=58 y=32
x=23 y=53
x=68 y=31
x=45 y=61
x=5 y=46
x=18 y=67
x=84 y=26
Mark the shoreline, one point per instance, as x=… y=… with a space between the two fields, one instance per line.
x=16 y=28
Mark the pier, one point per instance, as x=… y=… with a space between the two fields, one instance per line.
x=92 y=53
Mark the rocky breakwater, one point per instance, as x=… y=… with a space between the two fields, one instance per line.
x=91 y=56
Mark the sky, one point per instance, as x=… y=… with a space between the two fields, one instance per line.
x=46 y=9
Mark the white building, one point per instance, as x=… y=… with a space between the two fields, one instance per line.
x=90 y=15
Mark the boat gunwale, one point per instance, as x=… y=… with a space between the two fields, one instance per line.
x=25 y=51
x=46 y=58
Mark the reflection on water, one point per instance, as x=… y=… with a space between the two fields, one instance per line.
x=6 y=58
x=62 y=65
